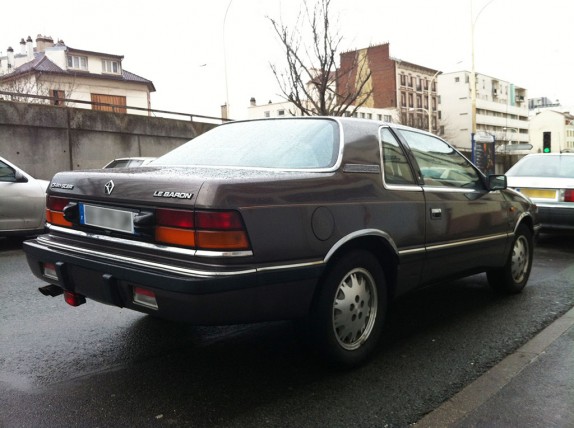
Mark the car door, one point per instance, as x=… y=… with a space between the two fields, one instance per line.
x=466 y=225
x=22 y=201
x=404 y=211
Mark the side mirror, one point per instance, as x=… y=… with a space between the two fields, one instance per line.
x=496 y=182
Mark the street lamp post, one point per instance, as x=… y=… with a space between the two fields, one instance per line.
x=429 y=112
x=227 y=109
x=473 y=20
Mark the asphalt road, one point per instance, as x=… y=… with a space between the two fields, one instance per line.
x=99 y=366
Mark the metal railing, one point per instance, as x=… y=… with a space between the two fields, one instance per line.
x=61 y=102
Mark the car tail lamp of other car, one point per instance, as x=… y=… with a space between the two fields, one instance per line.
x=203 y=230
x=569 y=195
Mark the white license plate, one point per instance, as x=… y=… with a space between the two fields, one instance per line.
x=107 y=218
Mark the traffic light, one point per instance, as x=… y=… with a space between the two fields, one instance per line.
x=546 y=142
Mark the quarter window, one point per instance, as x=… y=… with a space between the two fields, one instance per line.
x=395 y=165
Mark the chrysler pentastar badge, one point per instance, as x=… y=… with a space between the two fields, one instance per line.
x=109 y=187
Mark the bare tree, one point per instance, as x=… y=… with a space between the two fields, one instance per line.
x=48 y=89
x=311 y=79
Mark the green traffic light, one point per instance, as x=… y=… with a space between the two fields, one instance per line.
x=546 y=150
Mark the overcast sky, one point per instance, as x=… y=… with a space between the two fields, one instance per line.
x=180 y=45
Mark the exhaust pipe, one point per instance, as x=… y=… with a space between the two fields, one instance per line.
x=51 y=290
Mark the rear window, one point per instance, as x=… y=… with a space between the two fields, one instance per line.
x=283 y=144
x=543 y=166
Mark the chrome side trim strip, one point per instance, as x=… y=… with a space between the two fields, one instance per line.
x=412 y=251
x=150 y=246
x=467 y=242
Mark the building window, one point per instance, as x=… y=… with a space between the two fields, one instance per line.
x=456 y=79
x=114 y=103
x=57 y=97
x=419 y=101
x=388 y=118
x=110 y=66
x=403 y=80
x=78 y=62
x=403 y=99
x=411 y=100
x=267 y=114
x=281 y=113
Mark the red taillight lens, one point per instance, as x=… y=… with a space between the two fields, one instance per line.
x=55 y=203
x=569 y=195
x=175 y=218
x=218 y=220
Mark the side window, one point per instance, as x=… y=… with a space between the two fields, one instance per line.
x=440 y=164
x=395 y=165
x=6 y=173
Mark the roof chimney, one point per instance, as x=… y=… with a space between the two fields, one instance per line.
x=29 y=48
x=22 y=47
x=43 y=42
x=10 y=52
x=253 y=102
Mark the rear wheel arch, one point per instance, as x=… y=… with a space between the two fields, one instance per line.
x=382 y=248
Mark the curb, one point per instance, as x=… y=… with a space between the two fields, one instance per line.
x=490 y=383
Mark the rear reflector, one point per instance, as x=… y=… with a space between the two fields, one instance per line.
x=74 y=299
x=145 y=297
x=49 y=271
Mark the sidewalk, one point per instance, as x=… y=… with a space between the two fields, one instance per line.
x=534 y=387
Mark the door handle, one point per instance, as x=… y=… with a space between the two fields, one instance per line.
x=435 y=213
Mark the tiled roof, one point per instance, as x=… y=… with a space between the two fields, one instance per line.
x=43 y=64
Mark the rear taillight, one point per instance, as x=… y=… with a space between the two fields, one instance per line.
x=203 y=230
x=55 y=210
x=569 y=195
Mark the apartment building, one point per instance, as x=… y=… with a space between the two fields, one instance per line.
x=556 y=127
x=95 y=80
x=501 y=110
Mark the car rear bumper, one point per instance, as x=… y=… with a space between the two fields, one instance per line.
x=556 y=217
x=202 y=298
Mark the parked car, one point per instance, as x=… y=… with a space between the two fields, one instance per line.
x=129 y=162
x=321 y=220
x=547 y=179
x=22 y=201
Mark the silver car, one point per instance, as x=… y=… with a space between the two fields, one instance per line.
x=547 y=179
x=23 y=201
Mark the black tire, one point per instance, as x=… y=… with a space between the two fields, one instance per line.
x=349 y=311
x=513 y=276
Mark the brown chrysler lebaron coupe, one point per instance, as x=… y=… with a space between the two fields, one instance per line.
x=320 y=220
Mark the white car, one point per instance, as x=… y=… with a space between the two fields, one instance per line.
x=547 y=179
x=129 y=162
x=22 y=201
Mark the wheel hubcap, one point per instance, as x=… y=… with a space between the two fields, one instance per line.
x=355 y=309
x=520 y=260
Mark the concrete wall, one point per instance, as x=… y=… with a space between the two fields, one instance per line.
x=44 y=139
